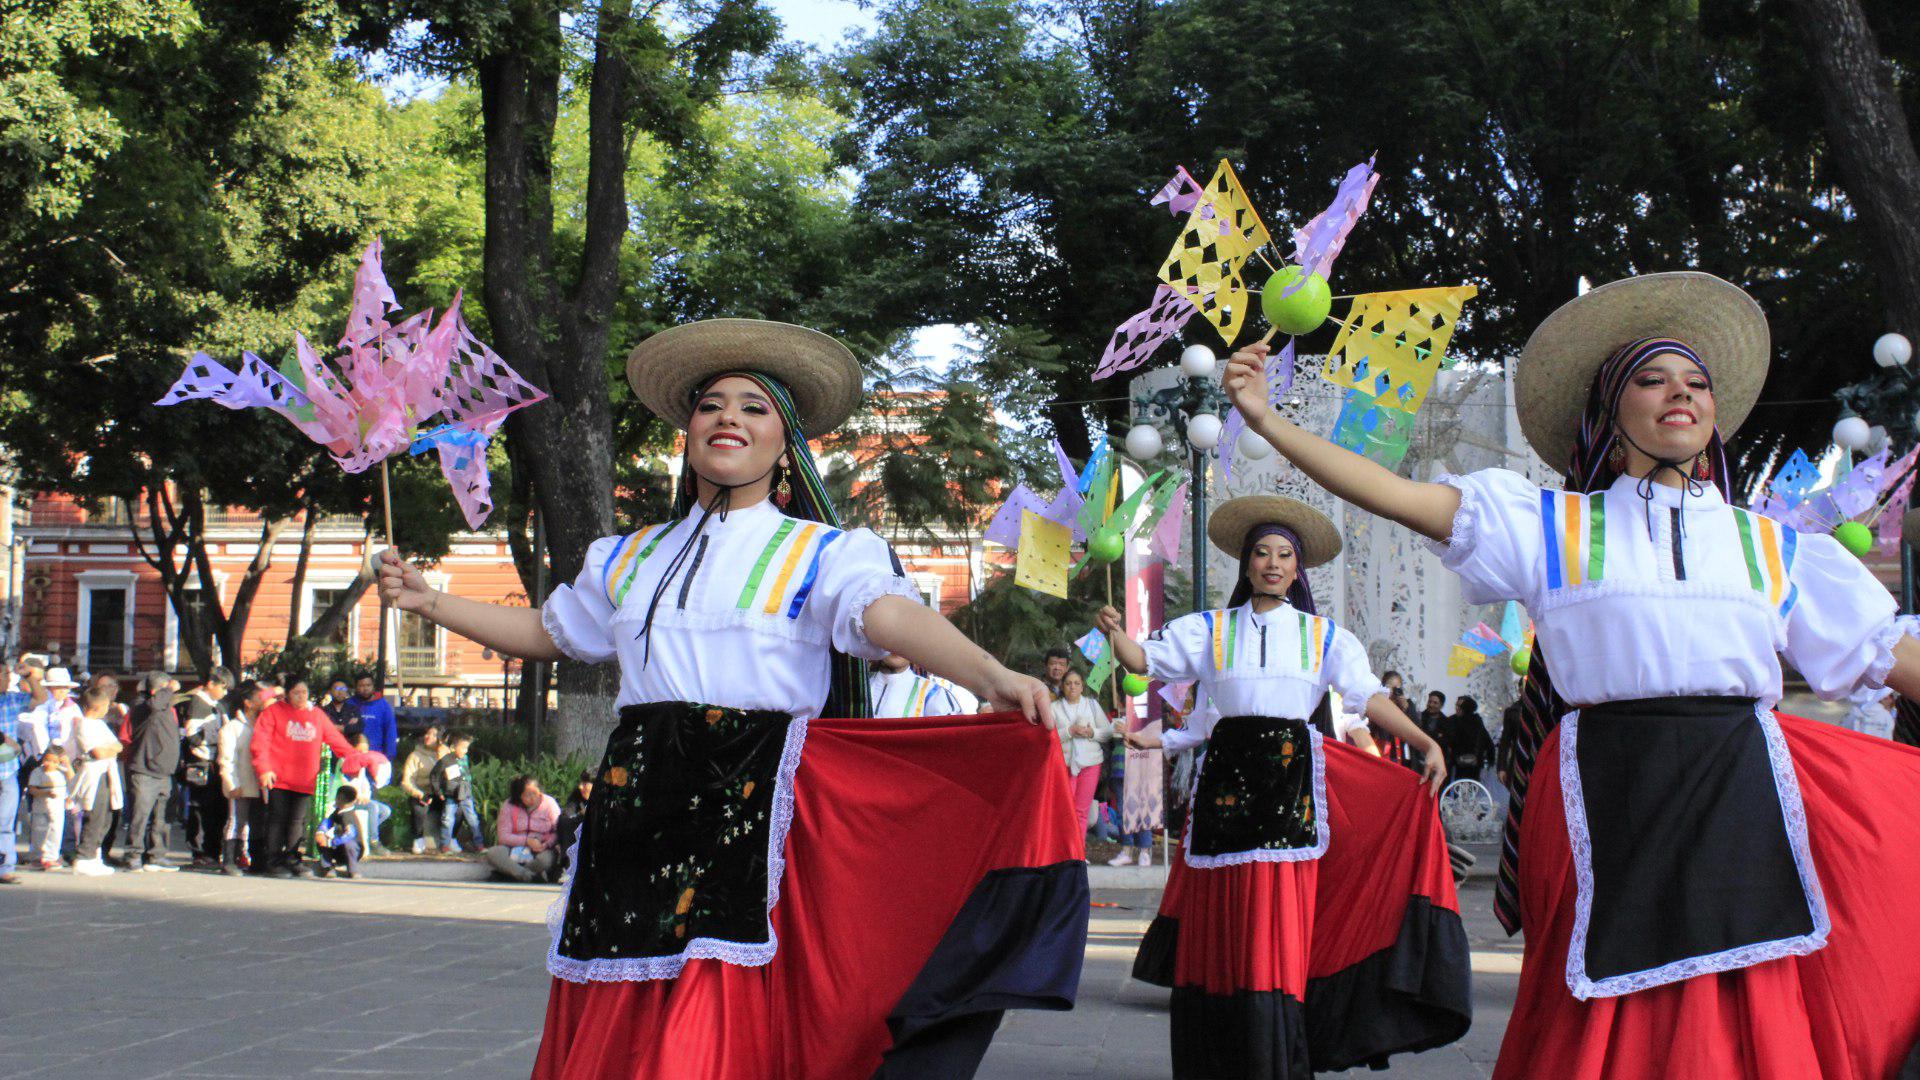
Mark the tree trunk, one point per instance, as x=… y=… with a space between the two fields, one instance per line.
x=558 y=338
x=300 y=575
x=1872 y=144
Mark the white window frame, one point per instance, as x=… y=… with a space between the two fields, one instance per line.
x=306 y=610
x=171 y=634
x=929 y=586
x=90 y=582
x=436 y=579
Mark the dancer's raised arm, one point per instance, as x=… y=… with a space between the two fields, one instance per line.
x=516 y=631
x=1427 y=509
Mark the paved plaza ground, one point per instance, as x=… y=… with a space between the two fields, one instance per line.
x=196 y=975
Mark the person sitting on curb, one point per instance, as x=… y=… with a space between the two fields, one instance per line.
x=338 y=837
x=525 y=832
x=416 y=779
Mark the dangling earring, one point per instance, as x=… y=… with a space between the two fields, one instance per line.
x=1703 y=469
x=1617 y=457
x=782 y=493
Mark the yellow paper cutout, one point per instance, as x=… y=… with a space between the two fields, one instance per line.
x=1221 y=233
x=1391 y=344
x=1463 y=660
x=1041 y=561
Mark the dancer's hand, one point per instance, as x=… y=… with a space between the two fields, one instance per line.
x=1110 y=621
x=1011 y=692
x=1245 y=381
x=402 y=585
x=1435 y=774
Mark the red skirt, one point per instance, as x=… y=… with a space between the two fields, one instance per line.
x=934 y=877
x=1850 y=1010
x=1280 y=969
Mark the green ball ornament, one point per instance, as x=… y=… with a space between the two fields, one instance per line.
x=1133 y=685
x=1522 y=659
x=1300 y=311
x=1855 y=537
x=1106 y=545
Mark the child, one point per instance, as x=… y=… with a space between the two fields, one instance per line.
x=47 y=826
x=338 y=837
x=452 y=782
x=365 y=772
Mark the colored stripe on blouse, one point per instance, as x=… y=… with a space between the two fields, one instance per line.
x=813 y=572
x=752 y=587
x=1745 y=520
x=1550 y=528
x=776 y=598
x=1573 y=520
x=1216 y=624
x=1233 y=635
x=1596 y=536
x=627 y=559
x=1323 y=631
x=1306 y=658
x=1790 y=544
x=1770 y=546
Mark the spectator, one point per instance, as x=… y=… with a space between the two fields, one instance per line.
x=338 y=837
x=1057 y=662
x=573 y=815
x=286 y=753
x=246 y=832
x=12 y=704
x=416 y=780
x=343 y=710
x=366 y=772
x=119 y=720
x=452 y=784
x=206 y=712
x=152 y=757
x=525 y=832
x=1392 y=748
x=47 y=789
x=1084 y=729
x=1135 y=847
x=97 y=789
x=1433 y=721
x=29 y=675
x=52 y=720
x=376 y=717
x=1467 y=741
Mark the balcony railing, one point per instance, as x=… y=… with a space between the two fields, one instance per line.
x=420 y=660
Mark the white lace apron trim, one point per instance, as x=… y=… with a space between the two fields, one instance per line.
x=1322 y=830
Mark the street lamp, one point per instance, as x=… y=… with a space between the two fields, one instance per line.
x=506 y=670
x=1192 y=408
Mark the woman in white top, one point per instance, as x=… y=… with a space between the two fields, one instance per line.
x=762 y=889
x=1085 y=730
x=1314 y=925
x=1707 y=890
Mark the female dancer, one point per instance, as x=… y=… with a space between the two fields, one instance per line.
x=1313 y=925
x=736 y=908
x=1708 y=890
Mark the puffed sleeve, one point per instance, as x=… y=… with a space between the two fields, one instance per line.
x=1495 y=545
x=855 y=572
x=1197 y=730
x=576 y=616
x=1841 y=629
x=1180 y=651
x=1349 y=673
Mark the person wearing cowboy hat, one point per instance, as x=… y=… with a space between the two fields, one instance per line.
x=737 y=907
x=1704 y=884
x=1303 y=857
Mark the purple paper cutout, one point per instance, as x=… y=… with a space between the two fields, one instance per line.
x=1004 y=529
x=1180 y=193
x=1166 y=536
x=1135 y=340
x=1319 y=243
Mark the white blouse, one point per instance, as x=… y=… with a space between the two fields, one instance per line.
x=1669 y=596
x=904 y=694
x=1277 y=664
x=747 y=617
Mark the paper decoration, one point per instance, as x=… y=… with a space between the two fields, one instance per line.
x=1511 y=626
x=1859 y=489
x=1279 y=380
x=1462 y=660
x=1175 y=694
x=1791 y=483
x=1220 y=235
x=463 y=461
x=1393 y=343
x=1142 y=801
x=1161 y=500
x=1099 y=461
x=1004 y=529
x=367 y=404
x=1065 y=510
x=1122 y=517
x=1102 y=668
x=1487 y=645
x=1372 y=430
x=1135 y=341
x=1041 y=562
x=1180 y=193
x=1173 y=525
x=1320 y=242
x=1093 y=645
x=1098 y=484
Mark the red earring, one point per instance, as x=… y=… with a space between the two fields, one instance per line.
x=1703 y=469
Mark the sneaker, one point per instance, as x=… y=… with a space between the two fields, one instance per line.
x=91 y=868
x=158 y=868
x=419 y=845
x=1146 y=858
x=348 y=874
x=231 y=869
x=1122 y=859
x=49 y=865
x=451 y=847
x=11 y=879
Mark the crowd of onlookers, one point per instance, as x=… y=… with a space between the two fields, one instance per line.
x=95 y=774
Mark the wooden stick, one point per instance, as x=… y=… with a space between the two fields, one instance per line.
x=386 y=504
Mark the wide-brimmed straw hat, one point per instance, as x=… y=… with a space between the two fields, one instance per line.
x=58 y=677
x=1716 y=318
x=1229 y=524
x=668 y=368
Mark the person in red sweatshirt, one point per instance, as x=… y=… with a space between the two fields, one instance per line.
x=286 y=754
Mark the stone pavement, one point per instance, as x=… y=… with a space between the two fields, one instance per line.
x=194 y=975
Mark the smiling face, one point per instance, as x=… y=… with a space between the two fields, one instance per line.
x=1272 y=566
x=1666 y=411
x=735 y=438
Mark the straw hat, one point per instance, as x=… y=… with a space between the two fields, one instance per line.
x=666 y=369
x=1716 y=318
x=58 y=677
x=1228 y=526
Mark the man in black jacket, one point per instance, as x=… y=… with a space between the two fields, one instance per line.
x=151 y=760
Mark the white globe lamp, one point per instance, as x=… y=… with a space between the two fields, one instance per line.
x=1890 y=350
x=1253 y=447
x=1197 y=361
x=1144 y=442
x=1851 y=433
x=1203 y=432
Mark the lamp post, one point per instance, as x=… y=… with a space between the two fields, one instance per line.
x=1192 y=408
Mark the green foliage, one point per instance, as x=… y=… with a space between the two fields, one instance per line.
x=320 y=664
x=491 y=777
